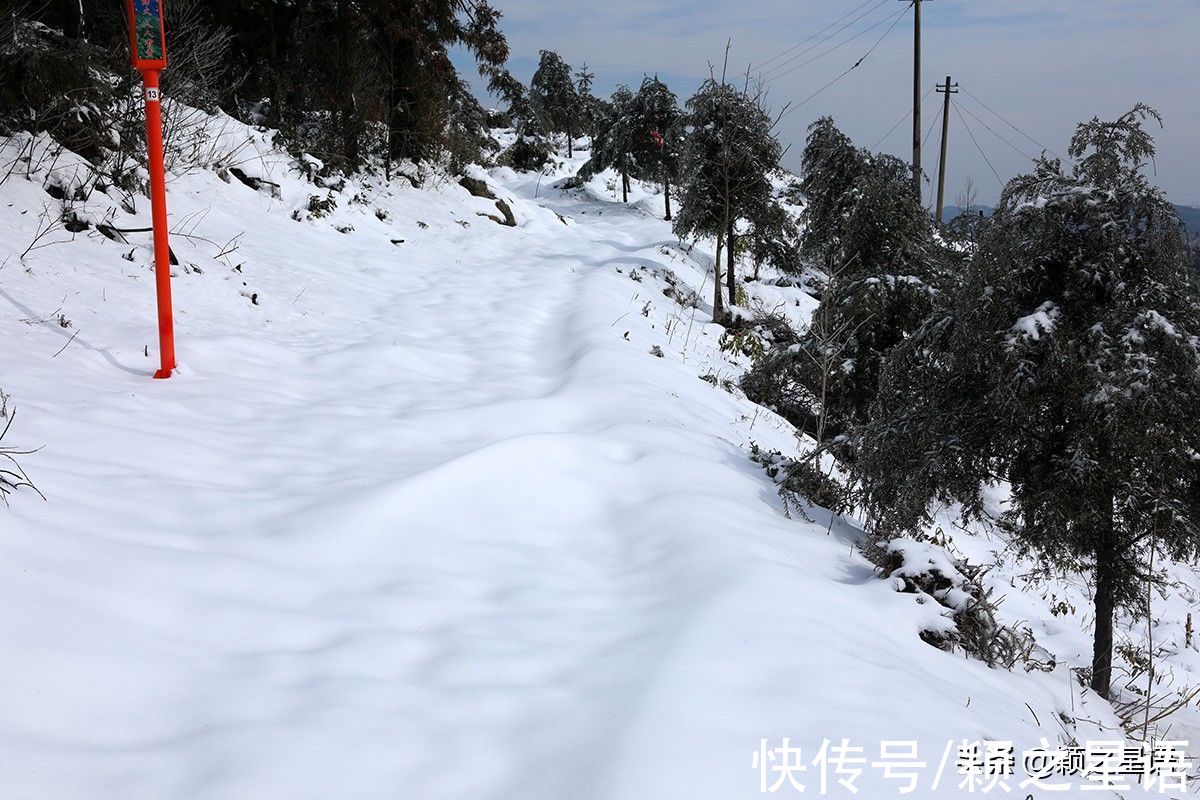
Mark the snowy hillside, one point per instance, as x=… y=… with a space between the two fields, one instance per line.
x=436 y=507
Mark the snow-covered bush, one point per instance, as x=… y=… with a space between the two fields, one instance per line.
x=527 y=154
x=923 y=568
x=802 y=481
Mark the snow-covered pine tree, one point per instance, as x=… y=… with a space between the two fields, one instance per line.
x=590 y=106
x=1069 y=366
x=554 y=97
x=657 y=135
x=728 y=155
x=613 y=145
x=774 y=239
x=884 y=275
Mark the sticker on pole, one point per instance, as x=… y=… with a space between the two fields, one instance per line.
x=146 y=34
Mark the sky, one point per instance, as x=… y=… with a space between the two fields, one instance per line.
x=1043 y=65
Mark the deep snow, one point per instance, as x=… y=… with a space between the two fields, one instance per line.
x=428 y=519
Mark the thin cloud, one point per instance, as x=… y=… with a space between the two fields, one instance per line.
x=1044 y=66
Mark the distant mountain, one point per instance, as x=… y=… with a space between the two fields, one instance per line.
x=1189 y=214
x=953 y=211
x=1191 y=217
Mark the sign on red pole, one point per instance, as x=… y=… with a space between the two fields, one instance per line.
x=149 y=50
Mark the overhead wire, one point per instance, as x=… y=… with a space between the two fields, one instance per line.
x=794 y=47
x=925 y=138
x=907 y=114
x=1009 y=124
x=1016 y=149
x=856 y=64
x=775 y=74
x=925 y=142
x=825 y=40
x=977 y=146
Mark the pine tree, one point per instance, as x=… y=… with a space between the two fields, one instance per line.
x=883 y=272
x=728 y=156
x=774 y=239
x=414 y=39
x=590 y=106
x=657 y=135
x=614 y=146
x=554 y=98
x=1069 y=366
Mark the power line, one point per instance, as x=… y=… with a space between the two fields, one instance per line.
x=1016 y=149
x=1009 y=124
x=977 y=147
x=924 y=142
x=772 y=76
x=856 y=64
x=792 y=58
x=900 y=122
x=791 y=49
x=925 y=138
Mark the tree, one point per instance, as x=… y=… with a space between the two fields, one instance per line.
x=727 y=159
x=884 y=277
x=323 y=72
x=773 y=239
x=554 y=98
x=657 y=135
x=1068 y=366
x=591 y=108
x=414 y=39
x=614 y=146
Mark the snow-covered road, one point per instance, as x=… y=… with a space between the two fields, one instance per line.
x=425 y=520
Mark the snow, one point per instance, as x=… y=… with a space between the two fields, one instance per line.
x=1153 y=319
x=1032 y=326
x=421 y=515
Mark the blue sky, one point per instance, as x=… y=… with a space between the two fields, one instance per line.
x=1043 y=65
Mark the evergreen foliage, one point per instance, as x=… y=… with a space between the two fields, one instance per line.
x=322 y=71
x=590 y=106
x=657 y=134
x=883 y=277
x=554 y=98
x=614 y=146
x=1068 y=365
x=728 y=157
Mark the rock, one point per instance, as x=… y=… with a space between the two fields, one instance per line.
x=477 y=188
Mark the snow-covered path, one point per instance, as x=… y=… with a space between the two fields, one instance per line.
x=427 y=521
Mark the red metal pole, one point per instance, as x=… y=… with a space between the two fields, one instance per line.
x=158 y=207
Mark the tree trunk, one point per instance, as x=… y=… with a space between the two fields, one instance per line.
x=667 y=194
x=1102 y=646
x=72 y=18
x=272 y=38
x=402 y=117
x=570 y=146
x=346 y=101
x=624 y=186
x=718 y=305
x=730 y=276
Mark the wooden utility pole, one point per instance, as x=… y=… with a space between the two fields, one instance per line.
x=916 y=162
x=947 y=90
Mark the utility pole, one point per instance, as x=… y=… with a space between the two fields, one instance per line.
x=916 y=162
x=947 y=90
